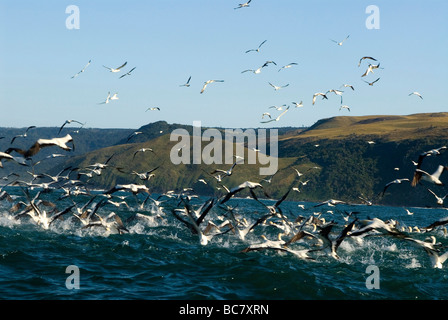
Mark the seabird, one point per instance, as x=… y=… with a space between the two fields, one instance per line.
x=377 y=225
x=153 y=109
x=278 y=118
x=431 y=178
x=416 y=94
x=145 y=175
x=258 y=49
x=247 y=184
x=208 y=82
x=363 y=58
x=243 y=5
x=437 y=223
x=288 y=66
x=7 y=156
x=107 y=99
x=348 y=86
x=226 y=173
x=194 y=223
x=114 y=96
x=370 y=69
x=341 y=42
x=134 y=188
x=396 y=181
x=438 y=199
x=22 y=135
x=83 y=69
x=266 y=114
x=186 y=84
x=319 y=94
x=68 y=122
x=127 y=73
x=298 y=105
x=336 y=92
x=333 y=245
x=42 y=143
x=115 y=69
x=331 y=202
x=112 y=223
x=431 y=248
x=371 y=83
x=143 y=150
x=133 y=134
x=432 y=152
x=344 y=107
x=277 y=87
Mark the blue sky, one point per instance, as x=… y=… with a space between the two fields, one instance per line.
x=168 y=41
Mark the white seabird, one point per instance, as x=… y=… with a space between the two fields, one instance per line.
x=339 y=43
x=278 y=118
x=278 y=87
x=258 y=49
x=82 y=70
x=415 y=93
x=115 y=69
x=243 y=5
x=431 y=178
x=207 y=83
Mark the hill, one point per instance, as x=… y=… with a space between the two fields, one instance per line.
x=349 y=167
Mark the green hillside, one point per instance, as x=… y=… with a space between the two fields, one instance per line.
x=348 y=166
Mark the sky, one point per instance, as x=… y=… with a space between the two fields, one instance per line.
x=168 y=41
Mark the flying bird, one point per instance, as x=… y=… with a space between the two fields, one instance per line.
x=431 y=178
x=298 y=105
x=416 y=94
x=243 y=5
x=341 y=42
x=68 y=122
x=277 y=87
x=242 y=186
x=107 y=99
x=288 y=66
x=319 y=94
x=115 y=69
x=186 y=84
x=22 y=135
x=432 y=152
x=363 y=58
x=114 y=96
x=153 y=109
x=348 y=86
x=143 y=150
x=278 y=118
x=370 y=69
x=208 y=82
x=258 y=49
x=396 y=181
x=344 y=107
x=439 y=200
x=7 y=156
x=42 y=143
x=127 y=73
x=82 y=70
x=371 y=83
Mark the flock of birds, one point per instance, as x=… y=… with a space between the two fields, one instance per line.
x=370 y=69
x=308 y=236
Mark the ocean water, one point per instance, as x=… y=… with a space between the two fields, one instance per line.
x=161 y=259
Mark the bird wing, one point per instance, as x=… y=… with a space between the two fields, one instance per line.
x=121 y=66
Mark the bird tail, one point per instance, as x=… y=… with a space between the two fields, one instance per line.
x=416 y=179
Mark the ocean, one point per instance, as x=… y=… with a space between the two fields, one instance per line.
x=159 y=258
